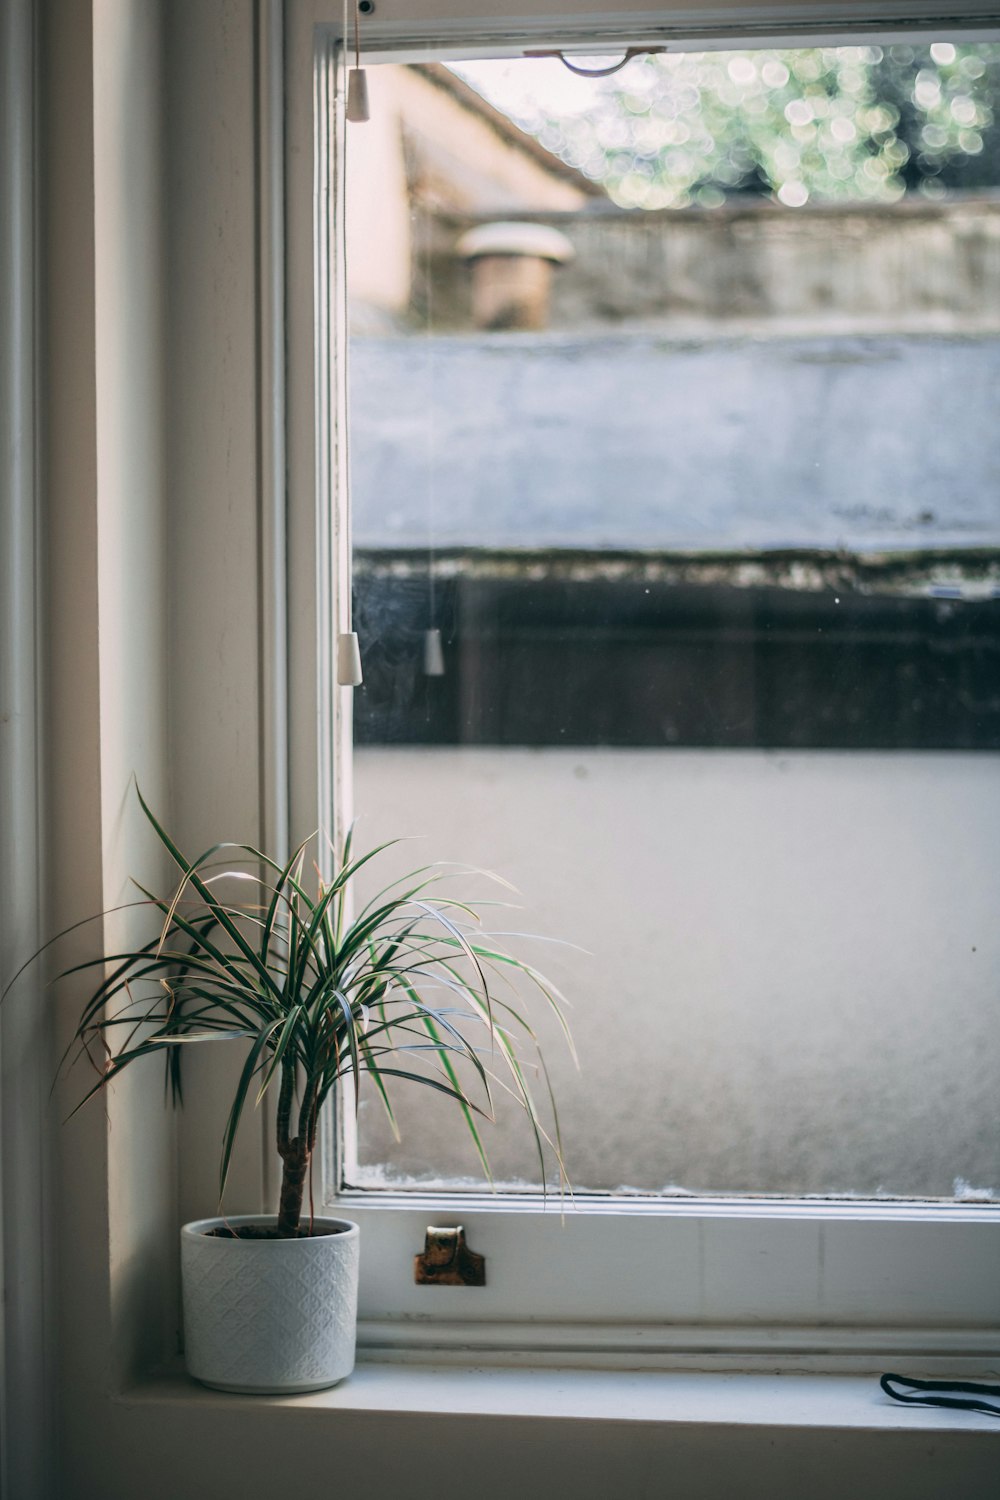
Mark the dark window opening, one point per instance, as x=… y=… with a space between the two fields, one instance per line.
x=602 y=661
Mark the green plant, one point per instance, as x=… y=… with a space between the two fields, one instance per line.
x=315 y=996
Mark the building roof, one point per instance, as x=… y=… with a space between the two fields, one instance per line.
x=647 y=443
x=503 y=126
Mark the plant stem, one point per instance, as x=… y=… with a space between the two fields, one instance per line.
x=307 y=1115
x=293 y=1180
x=295 y=1154
x=285 y=1106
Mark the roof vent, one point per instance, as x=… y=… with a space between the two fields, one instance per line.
x=512 y=272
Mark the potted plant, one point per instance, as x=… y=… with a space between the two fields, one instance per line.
x=250 y=951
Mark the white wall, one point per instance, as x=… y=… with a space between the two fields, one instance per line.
x=213 y=731
x=25 y=1369
x=104 y=632
x=106 y=635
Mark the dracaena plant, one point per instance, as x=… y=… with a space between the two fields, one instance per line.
x=409 y=988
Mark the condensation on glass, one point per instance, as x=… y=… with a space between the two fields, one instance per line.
x=677 y=577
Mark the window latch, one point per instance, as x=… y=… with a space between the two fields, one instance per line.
x=448 y=1261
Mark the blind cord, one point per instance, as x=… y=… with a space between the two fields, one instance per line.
x=932 y=1393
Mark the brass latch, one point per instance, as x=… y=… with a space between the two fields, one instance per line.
x=448 y=1261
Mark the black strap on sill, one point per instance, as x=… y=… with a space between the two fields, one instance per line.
x=953 y=1393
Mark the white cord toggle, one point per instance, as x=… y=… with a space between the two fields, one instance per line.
x=433 y=654
x=357 y=79
x=357 y=96
x=349 y=660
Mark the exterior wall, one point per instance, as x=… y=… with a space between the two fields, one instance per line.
x=379 y=243
x=421 y=145
x=933 y=266
x=613 y=442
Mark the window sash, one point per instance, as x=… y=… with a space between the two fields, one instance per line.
x=456 y=28
x=735 y=1282
x=819 y=1285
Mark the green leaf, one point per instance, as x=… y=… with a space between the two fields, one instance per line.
x=374 y=1072
x=250 y=1067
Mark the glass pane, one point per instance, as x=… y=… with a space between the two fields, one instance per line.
x=675 y=447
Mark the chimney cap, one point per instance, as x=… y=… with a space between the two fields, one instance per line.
x=538 y=241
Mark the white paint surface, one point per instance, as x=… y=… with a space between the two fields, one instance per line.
x=667 y=1398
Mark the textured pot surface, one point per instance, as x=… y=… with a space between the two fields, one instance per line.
x=269 y=1315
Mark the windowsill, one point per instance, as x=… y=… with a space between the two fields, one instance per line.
x=822 y=1403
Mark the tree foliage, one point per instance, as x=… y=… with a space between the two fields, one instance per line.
x=816 y=123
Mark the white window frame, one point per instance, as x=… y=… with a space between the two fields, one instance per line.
x=730 y=1283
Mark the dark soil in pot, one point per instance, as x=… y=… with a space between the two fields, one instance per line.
x=268 y=1232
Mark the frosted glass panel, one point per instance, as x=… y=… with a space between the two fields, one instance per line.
x=798 y=952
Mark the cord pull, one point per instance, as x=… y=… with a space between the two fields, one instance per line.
x=357 y=96
x=433 y=654
x=349 y=660
x=357 y=79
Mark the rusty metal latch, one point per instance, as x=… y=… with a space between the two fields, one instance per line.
x=448 y=1261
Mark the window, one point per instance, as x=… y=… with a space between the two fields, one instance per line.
x=734 y=1268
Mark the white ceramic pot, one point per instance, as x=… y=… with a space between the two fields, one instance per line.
x=269 y=1315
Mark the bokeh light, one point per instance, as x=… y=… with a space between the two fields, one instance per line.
x=822 y=123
